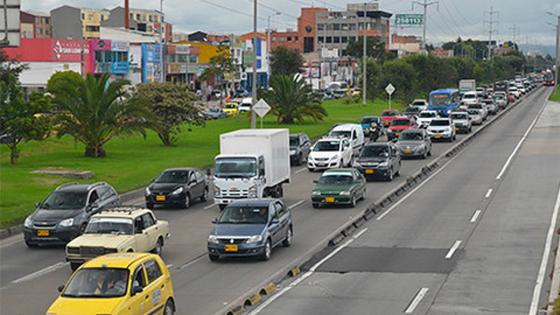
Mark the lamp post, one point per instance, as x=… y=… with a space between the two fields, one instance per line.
x=161 y=42
x=254 y=85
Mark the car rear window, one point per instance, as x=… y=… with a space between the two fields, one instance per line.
x=439 y=122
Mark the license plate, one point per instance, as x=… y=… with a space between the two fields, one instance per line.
x=397 y=134
x=438 y=136
x=329 y=199
x=160 y=198
x=231 y=248
x=43 y=232
x=369 y=171
x=407 y=151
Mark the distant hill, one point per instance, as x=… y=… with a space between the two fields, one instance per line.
x=540 y=49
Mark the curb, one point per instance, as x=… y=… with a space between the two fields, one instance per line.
x=12 y=230
x=335 y=238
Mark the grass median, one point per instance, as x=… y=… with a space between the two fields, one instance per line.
x=133 y=161
x=556 y=95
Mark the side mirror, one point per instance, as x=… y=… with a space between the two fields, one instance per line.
x=192 y=181
x=274 y=221
x=214 y=221
x=60 y=288
x=136 y=290
x=37 y=204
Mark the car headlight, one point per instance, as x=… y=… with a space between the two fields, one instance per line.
x=148 y=192
x=344 y=193
x=254 y=239
x=449 y=111
x=292 y=152
x=383 y=164
x=252 y=192
x=213 y=239
x=28 y=222
x=419 y=148
x=334 y=157
x=66 y=222
x=316 y=193
x=178 y=191
x=356 y=164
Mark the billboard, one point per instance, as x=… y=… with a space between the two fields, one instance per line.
x=48 y=50
x=409 y=19
x=9 y=23
x=151 y=63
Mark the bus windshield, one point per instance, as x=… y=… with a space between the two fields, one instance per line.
x=440 y=99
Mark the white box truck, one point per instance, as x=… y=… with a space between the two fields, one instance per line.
x=467 y=85
x=253 y=163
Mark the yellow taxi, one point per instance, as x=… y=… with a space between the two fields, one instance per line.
x=117 y=284
x=231 y=109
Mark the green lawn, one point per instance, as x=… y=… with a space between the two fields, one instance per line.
x=133 y=161
x=556 y=95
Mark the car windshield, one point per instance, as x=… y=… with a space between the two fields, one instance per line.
x=174 y=177
x=439 y=122
x=337 y=178
x=326 y=146
x=231 y=106
x=411 y=136
x=440 y=99
x=374 y=151
x=389 y=113
x=427 y=115
x=418 y=103
x=244 y=215
x=475 y=106
x=65 y=200
x=294 y=141
x=236 y=167
x=458 y=116
x=469 y=96
x=499 y=97
x=367 y=120
x=473 y=112
x=97 y=283
x=400 y=122
x=341 y=134
x=119 y=226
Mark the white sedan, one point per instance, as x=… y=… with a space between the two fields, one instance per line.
x=329 y=153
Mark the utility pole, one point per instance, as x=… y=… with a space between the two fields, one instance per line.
x=557 y=70
x=425 y=4
x=514 y=29
x=364 y=58
x=268 y=46
x=491 y=23
x=254 y=87
x=161 y=42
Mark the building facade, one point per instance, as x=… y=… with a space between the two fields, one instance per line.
x=35 y=24
x=151 y=63
x=77 y=23
x=258 y=51
x=108 y=57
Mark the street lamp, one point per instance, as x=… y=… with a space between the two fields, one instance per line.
x=557 y=74
x=364 y=55
x=161 y=42
x=268 y=46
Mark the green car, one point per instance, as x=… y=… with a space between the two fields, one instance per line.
x=339 y=186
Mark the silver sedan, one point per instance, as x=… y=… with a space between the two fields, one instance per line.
x=414 y=143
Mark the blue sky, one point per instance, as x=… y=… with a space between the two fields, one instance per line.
x=452 y=18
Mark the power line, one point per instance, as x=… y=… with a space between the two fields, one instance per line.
x=238 y=11
x=491 y=30
x=424 y=4
x=460 y=29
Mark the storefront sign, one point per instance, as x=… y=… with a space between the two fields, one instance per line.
x=48 y=50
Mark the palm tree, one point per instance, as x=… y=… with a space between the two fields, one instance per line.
x=93 y=110
x=292 y=100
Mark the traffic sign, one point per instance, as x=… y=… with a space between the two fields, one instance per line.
x=261 y=108
x=390 y=89
x=409 y=19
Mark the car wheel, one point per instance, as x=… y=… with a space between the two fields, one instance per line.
x=169 y=308
x=187 y=203
x=213 y=257
x=31 y=245
x=267 y=250
x=363 y=197
x=310 y=170
x=150 y=206
x=83 y=228
x=390 y=175
x=159 y=247
x=425 y=155
x=354 y=201
x=299 y=159
x=204 y=196
x=289 y=238
x=430 y=152
x=315 y=205
x=74 y=266
x=398 y=173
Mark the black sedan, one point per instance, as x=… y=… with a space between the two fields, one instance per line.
x=379 y=160
x=177 y=187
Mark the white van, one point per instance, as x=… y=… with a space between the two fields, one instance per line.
x=353 y=132
x=246 y=104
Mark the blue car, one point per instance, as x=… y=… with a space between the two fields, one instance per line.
x=250 y=228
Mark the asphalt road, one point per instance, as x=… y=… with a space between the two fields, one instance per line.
x=468 y=241
x=29 y=277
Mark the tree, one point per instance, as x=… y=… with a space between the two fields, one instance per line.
x=172 y=105
x=21 y=120
x=94 y=110
x=374 y=48
x=292 y=100
x=402 y=76
x=219 y=65
x=285 y=61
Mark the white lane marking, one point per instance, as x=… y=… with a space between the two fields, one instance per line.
x=542 y=270
x=210 y=206
x=380 y=217
x=305 y=275
x=17 y=239
x=417 y=299
x=296 y=204
x=300 y=170
x=453 y=249
x=192 y=262
x=518 y=146
x=475 y=216
x=488 y=193
x=41 y=272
